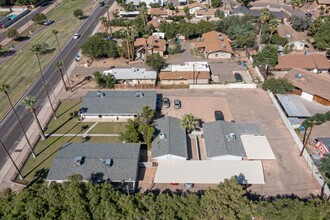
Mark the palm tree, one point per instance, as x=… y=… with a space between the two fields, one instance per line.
x=12 y=160
x=5 y=88
x=29 y=102
x=55 y=32
x=272 y=27
x=59 y=65
x=36 y=49
x=104 y=21
x=189 y=122
x=107 y=6
x=264 y=17
x=144 y=14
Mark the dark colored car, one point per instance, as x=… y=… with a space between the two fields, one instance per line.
x=177 y=104
x=218 y=116
x=166 y=102
x=48 y=22
x=238 y=77
x=101 y=3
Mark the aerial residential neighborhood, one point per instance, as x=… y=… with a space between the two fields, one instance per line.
x=180 y=109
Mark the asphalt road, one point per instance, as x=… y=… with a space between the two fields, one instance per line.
x=21 y=22
x=10 y=131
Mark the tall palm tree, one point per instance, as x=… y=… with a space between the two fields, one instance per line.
x=144 y=14
x=104 y=22
x=12 y=160
x=55 y=32
x=5 y=88
x=36 y=49
x=29 y=102
x=189 y=122
x=272 y=27
x=264 y=17
x=59 y=65
x=107 y=6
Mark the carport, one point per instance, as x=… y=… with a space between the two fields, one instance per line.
x=257 y=147
x=209 y=172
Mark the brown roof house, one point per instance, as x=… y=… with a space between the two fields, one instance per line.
x=205 y=13
x=310 y=86
x=159 y=12
x=310 y=62
x=156 y=21
x=215 y=45
x=152 y=45
x=195 y=7
x=189 y=73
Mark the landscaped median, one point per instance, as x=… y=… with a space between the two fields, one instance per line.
x=66 y=128
x=22 y=69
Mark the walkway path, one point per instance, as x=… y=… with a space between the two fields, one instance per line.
x=83 y=135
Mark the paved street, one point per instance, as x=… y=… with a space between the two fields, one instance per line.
x=9 y=129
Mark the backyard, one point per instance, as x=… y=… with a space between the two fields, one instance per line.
x=66 y=128
x=21 y=70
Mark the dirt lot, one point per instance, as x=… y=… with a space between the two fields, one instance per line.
x=288 y=173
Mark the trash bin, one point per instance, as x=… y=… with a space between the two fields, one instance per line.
x=243 y=64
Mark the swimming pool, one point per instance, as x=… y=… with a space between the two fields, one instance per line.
x=12 y=16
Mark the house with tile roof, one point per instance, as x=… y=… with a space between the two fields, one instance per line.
x=158 y=12
x=98 y=162
x=215 y=45
x=170 y=140
x=188 y=73
x=324 y=3
x=195 y=7
x=152 y=45
x=205 y=13
x=310 y=62
x=279 y=13
x=310 y=86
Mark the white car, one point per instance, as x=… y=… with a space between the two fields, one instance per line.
x=76 y=36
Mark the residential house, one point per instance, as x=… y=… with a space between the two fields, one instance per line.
x=115 y=105
x=170 y=140
x=189 y=73
x=156 y=22
x=145 y=47
x=205 y=13
x=148 y=2
x=133 y=76
x=215 y=45
x=129 y=14
x=235 y=141
x=310 y=86
x=324 y=3
x=112 y=163
x=297 y=45
x=310 y=62
x=195 y=7
x=279 y=13
x=158 y=12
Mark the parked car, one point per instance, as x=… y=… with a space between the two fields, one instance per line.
x=188 y=185
x=218 y=116
x=238 y=77
x=76 y=35
x=48 y=22
x=177 y=104
x=166 y=102
x=101 y=3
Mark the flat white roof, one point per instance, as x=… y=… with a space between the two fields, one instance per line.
x=257 y=147
x=132 y=73
x=189 y=66
x=208 y=171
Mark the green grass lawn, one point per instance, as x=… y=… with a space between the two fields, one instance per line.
x=4 y=13
x=21 y=70
x=36 y=169
x=64 y=124
x=108 y=128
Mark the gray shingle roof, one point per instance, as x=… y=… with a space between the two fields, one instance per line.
x=175 y=143
x=256 y=12
x=125 y=158
x=216 y=142
x=117 y=102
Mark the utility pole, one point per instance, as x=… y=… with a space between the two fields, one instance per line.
x=306 y=141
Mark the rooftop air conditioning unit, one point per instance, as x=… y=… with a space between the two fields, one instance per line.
x=221 y=38
x=107 y=162
x=139 y=94
x=78 y=160
x=219 y=34
x=223 y=45
x=100 y=94
x=162 y=136
x=299 y=75
x=231 y=136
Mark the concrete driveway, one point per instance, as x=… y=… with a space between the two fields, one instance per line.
x=223 y=70
x=287 y=174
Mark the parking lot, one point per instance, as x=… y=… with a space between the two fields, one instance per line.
x=287 y=174
x=224 y=70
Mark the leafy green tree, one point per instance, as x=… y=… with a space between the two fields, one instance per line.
x=30 y=102
x=78 y=13
x=219 y=13
x=147 y=116
x=278 y=86
x=265 y=16
x=189 y=122
x=147 y=133
x=129 y=6
x=12 y=33
x=98 y=47
x=131 y=134
x=322 y=36
x=104 y=21
x=174 y=50
x=104 y=81
x=301 y=23
x=325 y=170
x=156 y=62
x=266 y=59
x=39 y=18
x=245 y=3
x=272 y=27
x=216 y=3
